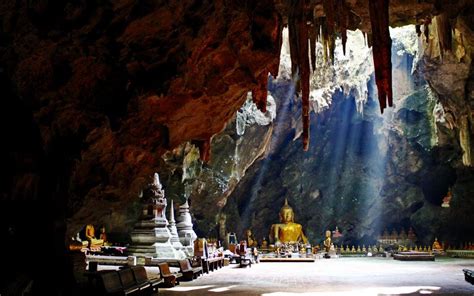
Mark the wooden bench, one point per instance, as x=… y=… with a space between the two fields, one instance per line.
x=110 y=283
x=139 y=272
x=196 y=266
x=215 y=263
x=169 y=279
x=189 y=273
x=469 y=276
x=130 y=285
x=204 y=264
x=127 y=281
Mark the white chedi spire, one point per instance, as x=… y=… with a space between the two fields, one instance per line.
x=173 y=230
x=186 y=234
x=151 y=236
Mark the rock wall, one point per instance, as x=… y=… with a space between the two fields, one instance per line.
x=207 y=186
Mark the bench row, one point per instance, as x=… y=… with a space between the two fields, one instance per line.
x=126 y=281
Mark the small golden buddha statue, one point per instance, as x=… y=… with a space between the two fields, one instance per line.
x=251 y=242
x=264 y=243
x=287 y=231
x=447 y=199
x=90 y=236
x=327 y=241
x=436 y=245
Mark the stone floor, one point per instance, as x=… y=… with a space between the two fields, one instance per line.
x=342 y=276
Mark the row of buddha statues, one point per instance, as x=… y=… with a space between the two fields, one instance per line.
x=289 y=235
x=87 y=238
x=466 y=246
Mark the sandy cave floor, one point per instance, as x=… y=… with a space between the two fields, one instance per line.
x=340 y=276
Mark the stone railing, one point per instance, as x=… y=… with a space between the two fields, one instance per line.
x=112 y=260
x=460 y=253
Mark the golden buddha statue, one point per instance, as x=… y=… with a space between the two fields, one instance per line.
x=436 y=245
x=264 y=243
x=287 y=231
x=327 y=241
x=90 y=236
x=251 y=242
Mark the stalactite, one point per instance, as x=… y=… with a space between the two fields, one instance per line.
x=369 y=39
x=277 y=32
x=444 y=32
x=293 y=40
x=330 y=10
x=344 y=40
x=426 y=29
x=331 y=47
x=298 y=37
x=379 y=19
x=292 y=36
x=312 y=43
x=418 y=30
x=304 y=68
x=342 y=21
x=204 y=149
x=465 y=140
x=324 y=37
x=259 y=93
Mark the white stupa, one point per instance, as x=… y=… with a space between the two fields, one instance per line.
x=186 y=234
x=151 y=236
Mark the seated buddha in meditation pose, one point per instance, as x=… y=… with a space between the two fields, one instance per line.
x=251 y=242
x=90 y=236
x=436 y=245
x=287 y=231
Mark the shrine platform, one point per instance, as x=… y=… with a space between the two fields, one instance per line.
x=460 y=253
x=414 y=256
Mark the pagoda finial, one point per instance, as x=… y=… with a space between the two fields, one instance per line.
x=172 y=213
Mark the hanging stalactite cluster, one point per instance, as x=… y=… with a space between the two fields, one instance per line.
x=304 y=24
x=298 y=35
x=259 y=93
x=381 y=51
x=323 y=21
x=308 y=24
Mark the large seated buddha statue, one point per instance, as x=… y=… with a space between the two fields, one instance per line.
x=287 y=231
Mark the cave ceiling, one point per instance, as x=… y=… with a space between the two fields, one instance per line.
x=127 y=80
